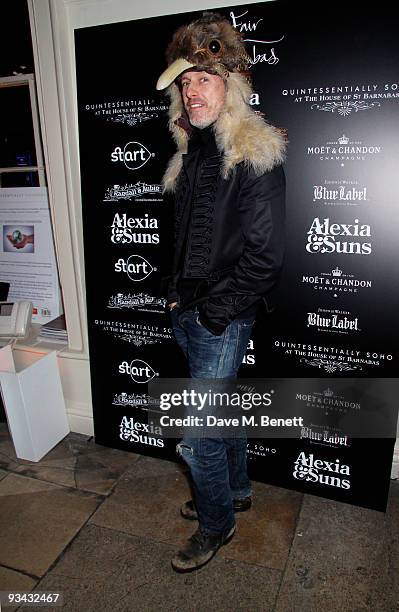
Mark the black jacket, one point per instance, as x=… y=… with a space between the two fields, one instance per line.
x=229 y=235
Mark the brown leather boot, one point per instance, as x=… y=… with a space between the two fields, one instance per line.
x=200 y=549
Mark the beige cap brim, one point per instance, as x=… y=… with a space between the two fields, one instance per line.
x=173 y=71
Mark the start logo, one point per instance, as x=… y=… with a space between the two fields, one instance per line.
x=136 y=267
x=138 y=370
x=134 y=155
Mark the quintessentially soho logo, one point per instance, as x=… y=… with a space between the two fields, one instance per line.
x=136 y=267
x=140 y=371
x=329 y=473
x=324 y=237
x=331 y=358
x=259 y=449
x=134 y=155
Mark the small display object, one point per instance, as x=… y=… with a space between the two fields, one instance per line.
x=15 y=319
x=34 y=402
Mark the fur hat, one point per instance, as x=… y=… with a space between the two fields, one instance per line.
x=211 y=44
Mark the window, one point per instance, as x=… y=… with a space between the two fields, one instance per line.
x=21 y=155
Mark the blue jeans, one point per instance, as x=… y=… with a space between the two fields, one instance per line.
x=218 y=465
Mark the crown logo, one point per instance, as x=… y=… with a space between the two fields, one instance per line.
x=328 y=393
x=343 y=139
x=337 y=272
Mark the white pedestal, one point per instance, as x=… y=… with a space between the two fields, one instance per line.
x=33 y=402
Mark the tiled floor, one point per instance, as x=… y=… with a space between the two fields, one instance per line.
x=100 y=526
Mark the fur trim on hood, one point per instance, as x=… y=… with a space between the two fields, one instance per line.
x=241 y=135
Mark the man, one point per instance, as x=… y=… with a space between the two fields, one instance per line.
x=229 y=214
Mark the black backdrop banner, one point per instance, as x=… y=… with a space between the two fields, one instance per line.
x=329 y=79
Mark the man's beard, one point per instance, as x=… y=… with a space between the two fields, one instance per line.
x=205 y=121
x=202 y=123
